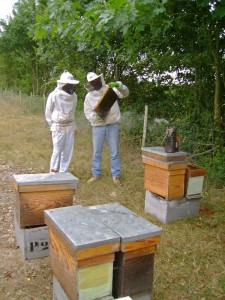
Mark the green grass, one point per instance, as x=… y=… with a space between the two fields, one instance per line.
x=190 y=259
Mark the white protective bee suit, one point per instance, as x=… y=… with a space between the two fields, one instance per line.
x=60 y=115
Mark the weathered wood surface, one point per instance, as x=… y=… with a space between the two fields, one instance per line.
x=81 y=252
x=166 y=183
x=134 y=263
x=59 y=293
x=132 y=276
x=30 y=206
x=159 y=153
x=38 y=192
x=107 y=100
x=87 y=239
x=164 y=165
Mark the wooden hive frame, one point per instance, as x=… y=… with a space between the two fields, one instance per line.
x=107 y=100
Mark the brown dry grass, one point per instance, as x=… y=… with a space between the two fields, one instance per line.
x=190 y=260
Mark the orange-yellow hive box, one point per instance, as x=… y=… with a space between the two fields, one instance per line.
x=37 y=192
x=164 y=172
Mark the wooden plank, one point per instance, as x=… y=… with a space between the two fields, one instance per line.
x=44 y=187
x=139 y=252
x=194 y=170
x=30 y=206
x=164 y=165
x=130 y=246
x=168 y=184
x=107 y=100
x=132 y=276
x=164 y=158
x=96 y=251
x=63 y=264
x=92 y=261
x=159 y=171
x=96 y=281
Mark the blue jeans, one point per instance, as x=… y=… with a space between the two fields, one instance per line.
x=111 y=133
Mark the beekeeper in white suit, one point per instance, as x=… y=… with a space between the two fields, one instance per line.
x=60 y=115
x=104 y=125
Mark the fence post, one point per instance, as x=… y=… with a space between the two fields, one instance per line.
x=31 y=101
x=145 y=126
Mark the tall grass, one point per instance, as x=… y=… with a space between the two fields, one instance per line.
x=190 y=260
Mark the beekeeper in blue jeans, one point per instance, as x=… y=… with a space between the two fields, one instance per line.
x=104 y=125
x=60 y=115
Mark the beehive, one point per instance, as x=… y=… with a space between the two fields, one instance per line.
x=82 y=251
x=134 y=263
x=164 y=173
x=37 y=192
x=194 y=180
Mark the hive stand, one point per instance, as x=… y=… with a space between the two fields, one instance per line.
x=169 y=211
x=82 y=251
x=34 y=194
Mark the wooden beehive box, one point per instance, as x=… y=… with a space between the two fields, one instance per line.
x=82 y=251
x=37 y=192
x=134 y=263
x=194 y=181
x=164 y=173
x=107 y=100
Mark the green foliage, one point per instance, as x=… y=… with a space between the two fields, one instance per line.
x=214 y=165
x=113 y=84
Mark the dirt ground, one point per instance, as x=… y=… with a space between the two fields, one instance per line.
x=19 y=278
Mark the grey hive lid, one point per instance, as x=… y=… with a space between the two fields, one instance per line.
x=162 y=151
x=81 y=229
x=45 y=178
x=126 y=223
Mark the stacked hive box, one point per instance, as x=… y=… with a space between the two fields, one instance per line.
x=34 y=194
x=167 y=176
x=134 y=263
x=88 y=243
x=82 y=251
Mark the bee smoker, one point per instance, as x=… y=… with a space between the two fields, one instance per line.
x=171 y=144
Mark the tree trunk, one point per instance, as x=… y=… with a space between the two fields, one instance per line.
x=218 y=81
